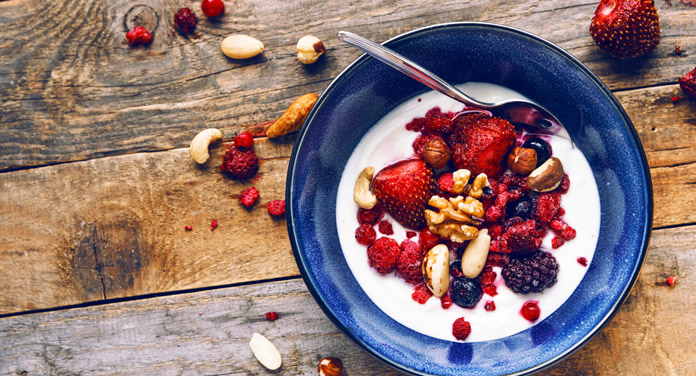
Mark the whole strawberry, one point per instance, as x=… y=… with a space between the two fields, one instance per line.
x=626 y=28
x=688 y=83
x=403 y=189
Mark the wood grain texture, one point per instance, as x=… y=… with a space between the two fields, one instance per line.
x=208 y=332
x=73 y=90
x=115 y=227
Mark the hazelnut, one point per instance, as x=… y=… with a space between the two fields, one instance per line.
x=546 y=177
x=436 y=153
x=522 y=160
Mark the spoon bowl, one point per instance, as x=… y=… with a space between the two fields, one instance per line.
x=519 y=112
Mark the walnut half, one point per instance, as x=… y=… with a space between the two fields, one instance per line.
x=454 y=217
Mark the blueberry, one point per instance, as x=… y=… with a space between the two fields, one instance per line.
x=542 y=148
x=455 y=268
x=520 y=208
x=465 y=292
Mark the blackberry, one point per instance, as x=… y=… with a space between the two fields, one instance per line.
x=531 y=274
x=465 y=292
x=520 y=208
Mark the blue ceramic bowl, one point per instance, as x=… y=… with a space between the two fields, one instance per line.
x=461 y=52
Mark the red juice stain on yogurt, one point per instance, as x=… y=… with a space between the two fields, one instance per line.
x=530 y=310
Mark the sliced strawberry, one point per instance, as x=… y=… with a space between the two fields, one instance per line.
x=403 y=190
x=480 y=143
x=626 y=28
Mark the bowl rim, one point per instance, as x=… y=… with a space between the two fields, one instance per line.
x=302 y=262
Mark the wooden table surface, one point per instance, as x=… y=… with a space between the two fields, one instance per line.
x=98 y=274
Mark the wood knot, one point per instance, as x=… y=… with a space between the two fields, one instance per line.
x=141 y=15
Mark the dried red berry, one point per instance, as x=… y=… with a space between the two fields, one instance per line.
x=427 y=240
x=276 y=208
x=688 y=83
x=144 y=36
x=240 y=163
x=410 y=234
x=408 y=265
x=675 y=99
x=132 y=37
x=446 y=182
x=188 y=228
x=557 y=242
x=271 y=316
x=491 y=290
x=185 y=21
x=671 y=280
x=446 y=301
x=244 y=140
x=530 y=310
x=461 y=329
x=582 y=261
x=370 y=216
x=249 y=196
x=212 y=8
x=213 y=224
x=490 y=306
x=421 y=293
x=416 y=124
x=385 y=227
x=365 y=234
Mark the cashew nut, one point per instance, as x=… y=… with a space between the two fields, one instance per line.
x=475 y=254
x=199 y=144
x=361 y=192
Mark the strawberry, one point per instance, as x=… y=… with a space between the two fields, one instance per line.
x=688 y=83
x=403 y=189
x=480 y=143
x=626 y=28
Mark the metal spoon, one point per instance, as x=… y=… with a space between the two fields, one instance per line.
x=514 y=110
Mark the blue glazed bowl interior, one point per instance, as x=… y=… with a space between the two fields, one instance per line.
x=463 y=52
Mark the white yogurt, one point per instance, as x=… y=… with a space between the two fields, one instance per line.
x=389 y=141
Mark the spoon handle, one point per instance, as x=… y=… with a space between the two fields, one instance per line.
x=408 y=67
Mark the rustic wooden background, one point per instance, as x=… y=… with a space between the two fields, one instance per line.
x=96 y=185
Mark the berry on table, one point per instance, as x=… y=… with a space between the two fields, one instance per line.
x=244 y=140
x=212 y=8
x=213 y=224
x=688 y=83
x=240 y=163
x=185 y=21
x=249 y=196
x=626 y=28
x=139 y=35
x=271 y=316
x=276 y=208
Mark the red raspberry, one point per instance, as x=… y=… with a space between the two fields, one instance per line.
x=421 y=293
x=249 y=196
x=491 y=290
x=244 y=140
x=446 y=182
x=271 y=316
x=276 y=208
x=410 y=234
x=212 y=8
x=185 y=21
x=493 y=214
x=385 y=227
x=562 y=229
x=490 y=306
x=383 y=254
x=495 y=231
x=446 y=301
x=408 y=266
x=427 y=240
x=437 y=122
x=557 y=242
x=416 y=124
x=547 y=206
x=419 y=143
x=530 y=310
x=461 y=329
x=497 y=259
x=369 y=216
x=520 y=237
x=487 y=277
x=582 y=261
x=240 y=163
x=213 y=224
x=365 y=234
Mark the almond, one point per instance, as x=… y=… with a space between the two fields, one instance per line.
x=265 y=352
x=475 y=254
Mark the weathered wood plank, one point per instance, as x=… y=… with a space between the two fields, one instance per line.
x=207 y=332
x=114 y=227
x=72 y=90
